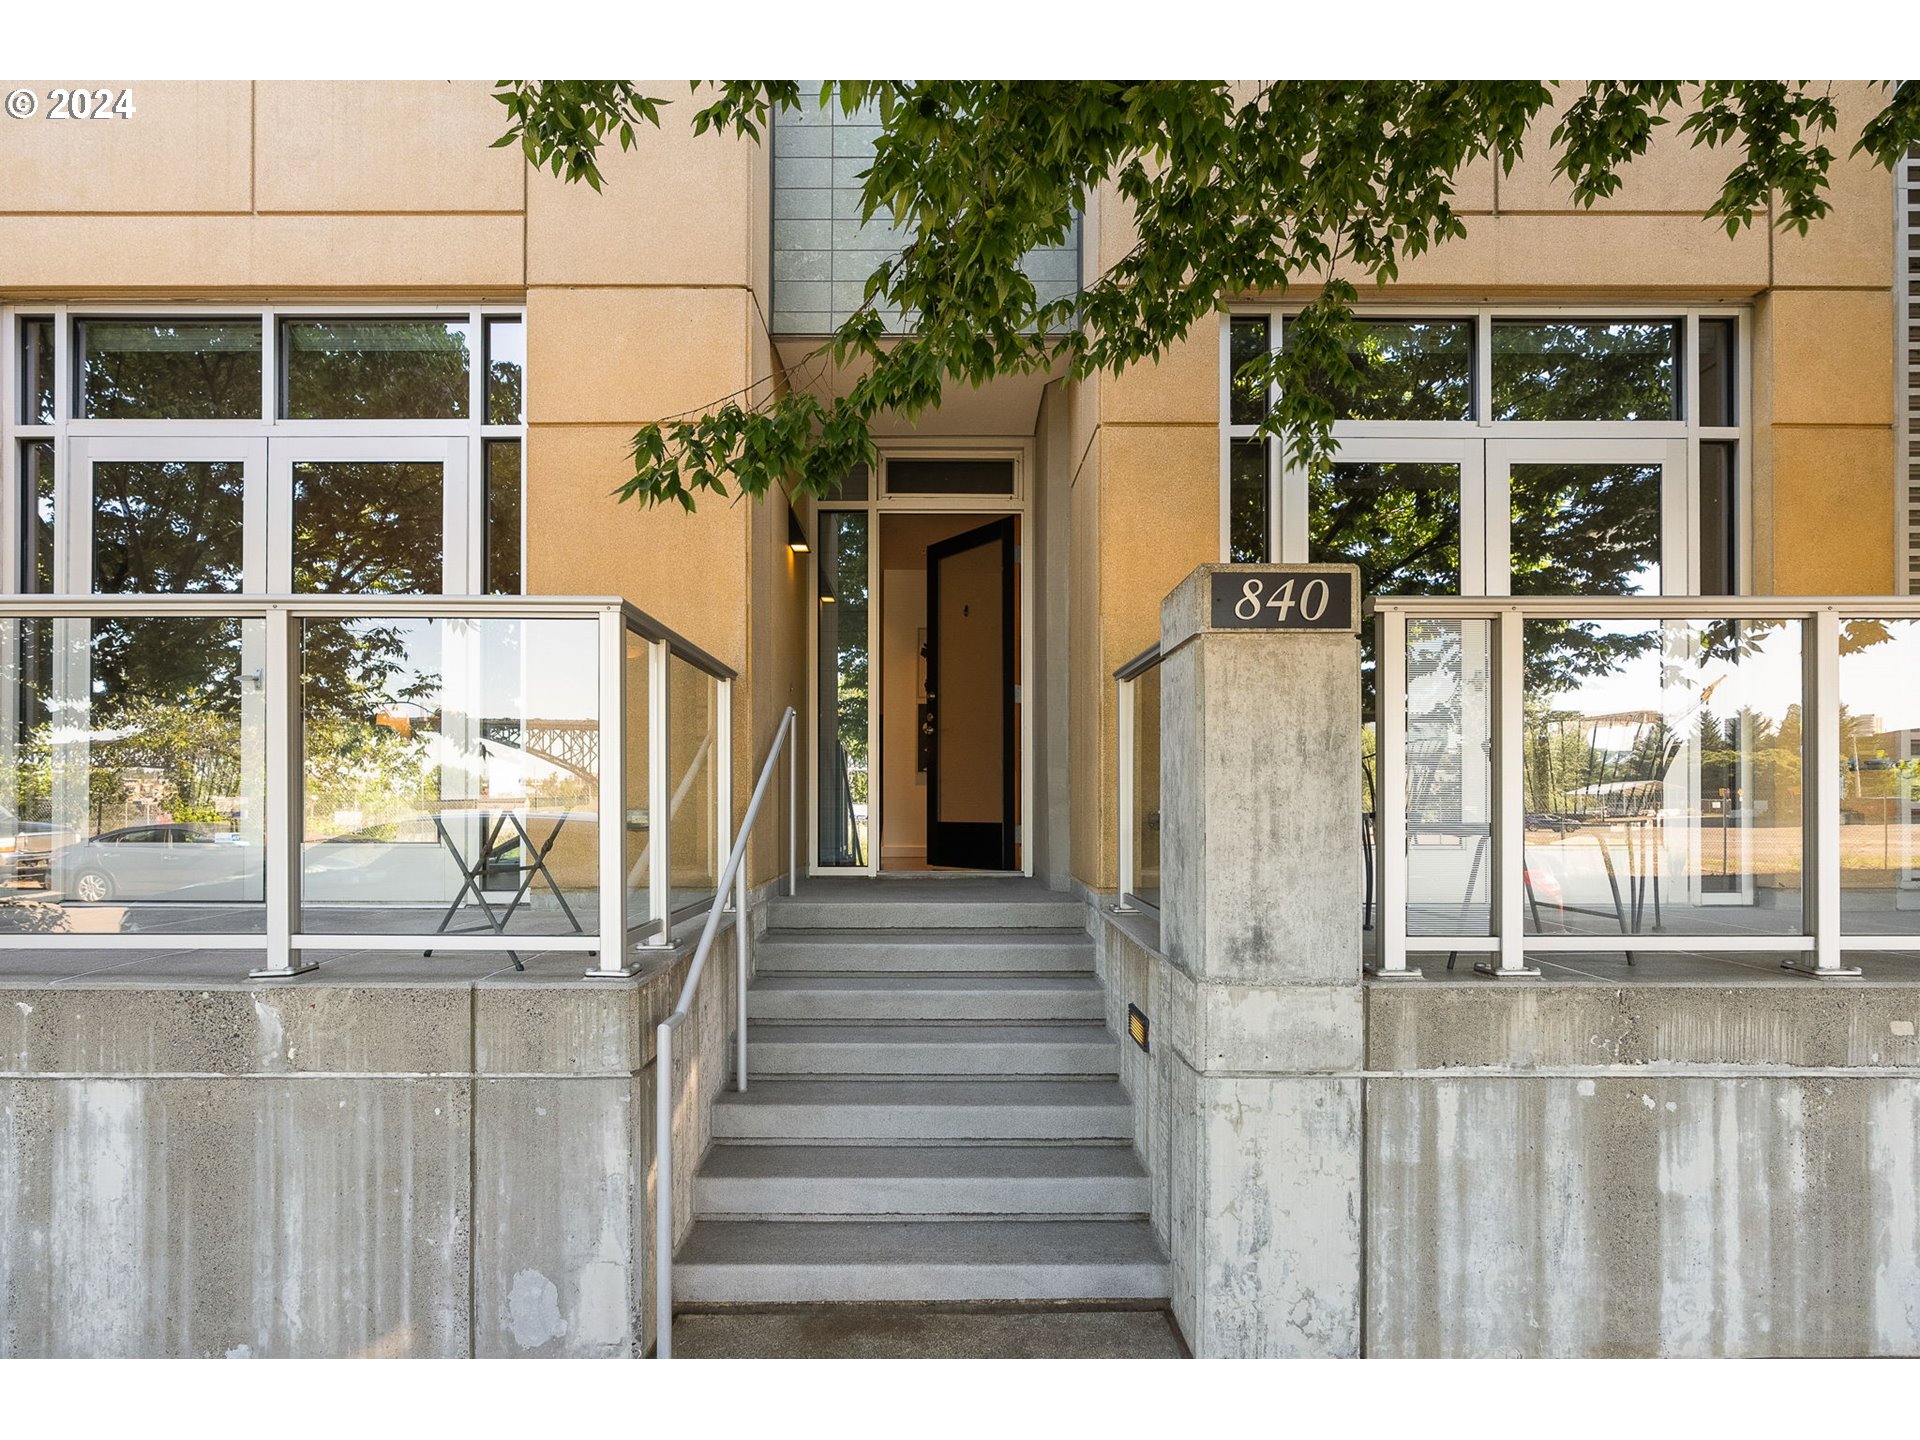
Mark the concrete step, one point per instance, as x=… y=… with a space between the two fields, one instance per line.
x=991 y=1049
x=923 y=1110
x=773 y=1262
x=934 y=905
x=925 y=997
x=910 y=951
x=899 y=1180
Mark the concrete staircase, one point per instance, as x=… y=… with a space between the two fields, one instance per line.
x=933 y=1110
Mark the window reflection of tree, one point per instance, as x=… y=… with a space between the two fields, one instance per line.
x=376 y=369
x=370 y=527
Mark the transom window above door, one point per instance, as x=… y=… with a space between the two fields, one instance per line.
x=340 y=450
x=1525 y=452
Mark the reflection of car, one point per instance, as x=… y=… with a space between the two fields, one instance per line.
x=1558 y=824
x=26 y=846
x=159 y=862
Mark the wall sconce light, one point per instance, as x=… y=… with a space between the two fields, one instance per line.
x=796 y=537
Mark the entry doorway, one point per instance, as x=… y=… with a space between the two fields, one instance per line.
x=921 y=763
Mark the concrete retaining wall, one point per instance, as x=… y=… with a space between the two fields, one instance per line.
x=326 y=1170
x=1592 y=1169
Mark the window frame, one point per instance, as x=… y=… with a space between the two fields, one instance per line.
x=268 y=425
x=1286 y=483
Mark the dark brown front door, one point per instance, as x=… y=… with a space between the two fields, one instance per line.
x=971 y=613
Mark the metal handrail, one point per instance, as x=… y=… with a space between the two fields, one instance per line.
x=734 y=875
x=1140 y=663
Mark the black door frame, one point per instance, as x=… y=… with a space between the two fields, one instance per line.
x=975 y=845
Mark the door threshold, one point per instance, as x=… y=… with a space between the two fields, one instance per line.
x=950 y=873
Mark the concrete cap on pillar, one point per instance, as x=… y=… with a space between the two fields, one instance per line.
x=1189 y=610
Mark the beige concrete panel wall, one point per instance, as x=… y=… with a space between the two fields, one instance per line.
x=684 y=569
x=1833 y=511
x=678 y=209
x=1090 y=758
x=1832 y=357
x=779 y=615
x=1853 y=245
x=1627 y=255
x=381 y=145
x=626 y=356
x=185 y=256
x=187 y=148
x=1181 y=387
x=1673 y=176
x=1159 y=516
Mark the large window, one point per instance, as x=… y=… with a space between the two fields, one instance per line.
x=1526 y=452
x=339 y=449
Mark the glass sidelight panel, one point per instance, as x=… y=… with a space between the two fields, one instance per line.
x=38 y=526
x=1879 y=780
x=1662 y=777
x=36 y=405
x=1449 y=799
x=168 y=526
x=132 y=775
x=368 y=526
x=450 y=776
x=841 y=725
x=1585 y=529
x=1247 y=501
x=168 y=369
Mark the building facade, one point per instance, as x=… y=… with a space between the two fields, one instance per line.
x=301 y=344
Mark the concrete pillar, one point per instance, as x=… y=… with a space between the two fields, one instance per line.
x=1260 y=923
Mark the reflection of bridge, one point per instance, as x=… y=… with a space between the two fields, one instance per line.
x=570 y=745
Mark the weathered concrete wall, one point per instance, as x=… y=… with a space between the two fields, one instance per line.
x=1659 y=1169
x=327 y=1170
x=1591 y=1169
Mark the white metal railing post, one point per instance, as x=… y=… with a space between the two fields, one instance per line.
x=280 y=829
x=663 y=1187
x=724 y=798
x=1125 y=698
x=1390 y=794
x=613 y=795
x=659 y=795
x=1821 y=792
x=793 y=819
x=1509 y=810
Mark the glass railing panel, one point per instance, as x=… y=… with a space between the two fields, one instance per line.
x=132 y=775
x=693 y=745
x=449 y=776
x=636 y=846
x=1146 y=786
x=1879 y=781
x=1449 y=777
x=1662 y=777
